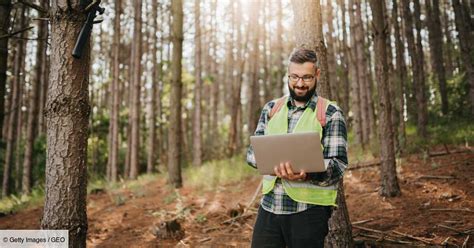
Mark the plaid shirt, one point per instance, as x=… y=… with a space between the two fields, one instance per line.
x=334 y=140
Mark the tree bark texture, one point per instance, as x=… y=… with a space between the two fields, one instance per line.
x=388 y=173
x=174 y=137
x=151 y=156
x=67 y=115
x=197 y=142
x=5 y=9
x=254 y=89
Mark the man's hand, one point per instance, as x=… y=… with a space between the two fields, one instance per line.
x=285 y=171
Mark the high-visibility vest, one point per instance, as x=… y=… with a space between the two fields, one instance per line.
x=310 y=121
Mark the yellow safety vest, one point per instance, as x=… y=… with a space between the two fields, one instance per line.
x=310 y=121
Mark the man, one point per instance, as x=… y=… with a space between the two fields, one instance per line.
x=296 y=206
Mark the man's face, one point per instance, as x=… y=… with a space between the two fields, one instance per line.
x=302 y=80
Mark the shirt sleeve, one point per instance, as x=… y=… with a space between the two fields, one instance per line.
x=260 y=130
x=335 y=149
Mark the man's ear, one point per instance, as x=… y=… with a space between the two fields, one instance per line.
x=318 y=73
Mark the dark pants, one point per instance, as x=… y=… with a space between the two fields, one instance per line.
x=304 y=229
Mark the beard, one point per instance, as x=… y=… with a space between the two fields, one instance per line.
x=304 y=98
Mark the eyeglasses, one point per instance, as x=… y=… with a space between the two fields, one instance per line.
x=306 y=78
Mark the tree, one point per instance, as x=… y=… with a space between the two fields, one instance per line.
x=464 y=26
x=174 y=136
x=34 y=103
x=436 y=49
x=67 y=114
x=254 y=89
x=5 y=8
x=415 y=50
x=308 y=19
x=115 y=98
x=15 y=105
x=388 y=173
x=401 y=71
x=197 y=142
x=136 y=85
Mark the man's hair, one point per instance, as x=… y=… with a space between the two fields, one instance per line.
x=303 y=55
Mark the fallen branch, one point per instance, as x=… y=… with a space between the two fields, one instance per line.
x=254 y=197
x=364 y=165
x=445 y=241
x=453 y=229
x=378 y=239
x=464 y=244
x=204 y=240
x=361 y=221
x=447 y=153
x=237 y=217
x=435 y=177
x=369 y=229
x=452 y=210
x=413 y=237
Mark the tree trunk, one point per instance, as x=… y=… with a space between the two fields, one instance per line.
x=136 y=79
x=333 y=82
x=14 y=108
x=401 y=72
x=279 y=84
x=174 y=136
x=464 y=27
x=355 y=84
x=449 y=44
x=344 y=55
x=388 y=173
x=67 y=114
x=115 y=98
x=34 y=103
x=415 y=50
x=254 y=89
x=308 y=19
x=197 y=142
x=5 y=8
x=436 y=49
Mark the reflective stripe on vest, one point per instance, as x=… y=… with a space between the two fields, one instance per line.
x=299 y=191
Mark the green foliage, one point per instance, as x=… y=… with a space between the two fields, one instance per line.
x=218 y=172
x=200 y=218
x=14 y=203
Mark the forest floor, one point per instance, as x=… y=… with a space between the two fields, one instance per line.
x=436 y=208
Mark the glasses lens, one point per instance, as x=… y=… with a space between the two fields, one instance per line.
x=294 y=78
x=307 y=78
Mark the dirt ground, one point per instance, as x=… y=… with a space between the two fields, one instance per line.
x=436 y=209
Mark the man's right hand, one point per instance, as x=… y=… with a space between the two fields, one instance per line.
x=285 y=171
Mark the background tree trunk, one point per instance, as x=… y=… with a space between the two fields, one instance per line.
x=174 y=137
x=197 y=142
x=388 y=173
x=5 y=8
x=67 y=115
x=136 y=102
x=254 y=89
x=34 y=103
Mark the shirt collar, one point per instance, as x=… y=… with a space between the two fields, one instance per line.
x=311 y=103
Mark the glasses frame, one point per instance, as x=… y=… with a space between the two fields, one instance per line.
x=302 y=78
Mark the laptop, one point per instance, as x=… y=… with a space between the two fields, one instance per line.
x=302 y=150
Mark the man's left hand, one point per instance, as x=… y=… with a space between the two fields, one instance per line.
x=285 y=171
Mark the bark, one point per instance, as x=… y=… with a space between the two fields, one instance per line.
x=174 y=137
x=197 y=120
x=401 y=73
x=308 y=18
x=449 y=64
x=333 y=83
x=136 y=81
x=464 y=27
x=355 y=84
x=436 y=49
x=34 y=103
x=388 y=173
x=363 y=74
x=214 y=130
x=344 y=55
x=5 y=9
x=415 y=50
x=254 y=89
x=115 y=98
x=67 y=114
x=151 y=156
x=279 y=82
x=14 y=109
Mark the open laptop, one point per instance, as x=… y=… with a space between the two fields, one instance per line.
x=302 y=150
